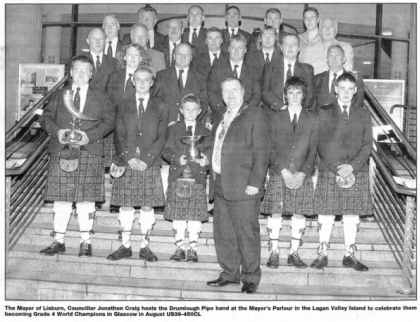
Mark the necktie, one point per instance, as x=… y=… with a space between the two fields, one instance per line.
x=267 y=57
x=194 y=37
x=129 y=88
x=77 y=99
x=218 y=148
x=235 y=72
x=289 y=72
x=294 y=122
x=189 y=130
x=215 y=60
x=233 y=33
x=98 y=63
x=180 y=82
x=345 y=114
x=334 y=82
x=109 y=53
x=140 y=109
x=171 y=58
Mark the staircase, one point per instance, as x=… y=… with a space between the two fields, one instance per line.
x=32 y=276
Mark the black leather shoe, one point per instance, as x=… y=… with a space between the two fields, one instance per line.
x=320 y=262
x=54 y=248
x=85 y=250
x=220 y=282
x=178 y=256
x=249 y=288
x=114 y=209
x=353 y=262
x=120 y=253
x=192 y=255
x=273 y=261
x=295 y=260
x=147 y=255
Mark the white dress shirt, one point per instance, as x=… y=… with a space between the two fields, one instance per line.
x=340 y=103
x=212 y=56
x=270 y=54
x=331 y=77
x=171 y=48
x=292 y=113
x=82 y=93
x=286 y=68
x=193 y=123
x=184 y=75
x=129 y=71
x=145 y=102
x=113 y=46
x=151 y=38
x=239 y=69
x=192 y=32
x=101 y=55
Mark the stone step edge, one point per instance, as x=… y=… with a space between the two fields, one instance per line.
x=130 y=283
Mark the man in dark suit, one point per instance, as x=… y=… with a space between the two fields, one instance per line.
x=236 y=67
x=174 y=30
x=83 y=183
x=103 y=64
x=273 y=19
x=325 y=82
x=195 y=34
x=266 y=52
x=148 y=17
x=241 y=152
x=112 y=43
x=204 y=62
x=173 y=83
x=275 y=76
x=233 y=20
x=139 y=35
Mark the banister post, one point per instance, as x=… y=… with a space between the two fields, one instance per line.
x=8 y=195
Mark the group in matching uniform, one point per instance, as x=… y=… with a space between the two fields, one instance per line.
x=282 y=107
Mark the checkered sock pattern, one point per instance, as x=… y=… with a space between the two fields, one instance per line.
x=126 y=218
x=179 y=227
x=350 y=225
x=62 y=213
x=325 y=226
x=298 y=227
x=146 y=221
x=85 y=214
x=273 y=227
x=194 y=229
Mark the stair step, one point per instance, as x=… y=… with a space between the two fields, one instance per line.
x=32 y=285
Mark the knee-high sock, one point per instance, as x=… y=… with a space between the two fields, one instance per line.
x=194 y=229
x=179 y=227
x=146 y=220
x=62 y=213
x=325 y=226
x=273 y=227
x=350 y=225
x=164 y=172
x=126 y=218
x=86 y=214
x=298 y=228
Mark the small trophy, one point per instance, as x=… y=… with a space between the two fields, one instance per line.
x=73 y=137
x=191 y=141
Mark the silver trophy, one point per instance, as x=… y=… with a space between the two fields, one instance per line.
x=191 y=141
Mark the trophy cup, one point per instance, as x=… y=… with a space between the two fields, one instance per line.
x=191 y=141
x=73 y=137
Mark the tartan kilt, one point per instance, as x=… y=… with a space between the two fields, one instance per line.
x=295 y=201
x=109 y=150
x=84 y=184
x=138 y=188
x=330 y=199
x=194 y=208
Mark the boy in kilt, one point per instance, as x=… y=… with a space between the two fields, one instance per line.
x=186 y=198
x=294 y=137
x=83 y=184
x=139 y=138
x=345 y=145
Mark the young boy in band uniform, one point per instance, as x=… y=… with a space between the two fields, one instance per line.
x=140 y=134
x=186 y=198
x=345 y=145
x=294 y=138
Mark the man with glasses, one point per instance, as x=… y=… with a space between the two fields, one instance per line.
x=75 y=172
x=111 y=26
x=236 y=67
x=148 y=17
x=195 y=34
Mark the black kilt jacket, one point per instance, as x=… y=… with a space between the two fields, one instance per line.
x=299 y=145
x=98 y=105
x=257 y=59
x=147 y=132
x=202 y=62
x=340 y=146
x=100 y=75
x=115 y=85
x=200 y=46
x=250 y=42
x=174 y=149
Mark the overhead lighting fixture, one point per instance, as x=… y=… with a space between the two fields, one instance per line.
x=386 y=33
x=367 y=63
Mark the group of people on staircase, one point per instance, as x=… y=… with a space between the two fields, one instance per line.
x=270 y=111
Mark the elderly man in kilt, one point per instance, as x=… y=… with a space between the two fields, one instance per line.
x=345 y=145
x=294 y=139
x=140 y=133
x=83 y=184
x=186 y=199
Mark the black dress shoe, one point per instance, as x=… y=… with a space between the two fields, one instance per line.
x=114 y=209
x=320 y=262
x=249 y=288
x=295 y=260
x=147 y=255
x=178 y=256
x=273 y=261
x=192 y=255
x=120 y=253
x=353 y=262
x=54 y=248
x=220 y=282
x=85 y=250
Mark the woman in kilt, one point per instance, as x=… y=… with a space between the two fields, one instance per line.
x=82 y=180
x=186 y=198
x=294 y=137
x=345 y=145
x=140 y=134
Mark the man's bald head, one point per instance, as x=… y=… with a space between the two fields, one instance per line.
x=96 y=40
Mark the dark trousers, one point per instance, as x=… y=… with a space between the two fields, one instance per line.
x=237 y=237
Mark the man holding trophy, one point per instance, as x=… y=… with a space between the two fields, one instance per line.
x=77 y=118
